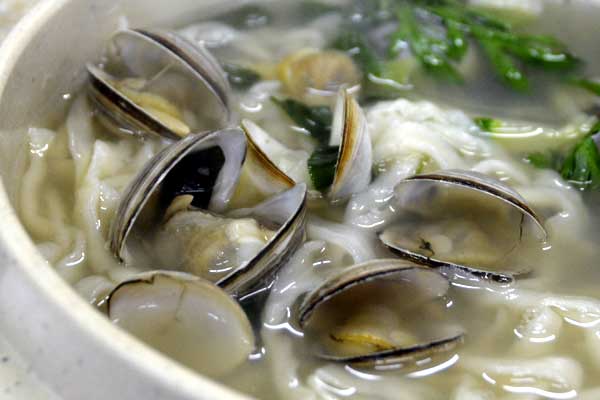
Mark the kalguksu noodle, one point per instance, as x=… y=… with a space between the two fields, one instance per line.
x=514 y=306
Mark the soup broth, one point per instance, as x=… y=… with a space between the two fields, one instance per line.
x=522 y=300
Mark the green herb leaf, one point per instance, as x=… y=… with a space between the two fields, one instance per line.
x=316 y=120
x=356 y=44
x=591 y=85
x=503 y=65
x=488 y=124
x=544 y=51
x=453 y=10
x=432 y=52
x=458 y=43
x=499 y=42
x=321 y=166
x=544 y=160
x=484 y=19
x=240 y=77
x=582 y=166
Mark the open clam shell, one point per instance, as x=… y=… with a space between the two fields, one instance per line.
x=285 y=212
x=241 y=250
x=185 y=317
x=206 y=166
x=463 y=220
x=349 y=131
x=265 y=174
x=373 y=314
x=155 y=82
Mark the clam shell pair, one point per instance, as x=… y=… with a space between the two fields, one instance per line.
x=463 y=221
x=156 y=82
x=371 y=315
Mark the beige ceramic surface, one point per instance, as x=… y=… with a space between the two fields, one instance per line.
x=67 y=345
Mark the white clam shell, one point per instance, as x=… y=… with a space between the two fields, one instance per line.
x=148 y=182
x=397 y=236
x=173 y=68
x=382 y=288
x=185 y=317
x=349 y=130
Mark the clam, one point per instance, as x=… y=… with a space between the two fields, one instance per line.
x=349 y=131
x=205 y=166
x=463 y=220
x=185 y=317
x=156 y=82
x=372 y=314
x=240 y=250
x=314 y=76
x=175 y=214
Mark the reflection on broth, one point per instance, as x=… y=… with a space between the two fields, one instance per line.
x=341 y=199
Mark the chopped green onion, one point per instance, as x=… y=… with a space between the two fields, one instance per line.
x=488 y=124
x=503 y=65
x=591 y=85
x=582 y=166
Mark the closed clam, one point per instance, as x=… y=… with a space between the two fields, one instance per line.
x=463 y=220
x=155 y=82
x=186 y=317
x=372 y=314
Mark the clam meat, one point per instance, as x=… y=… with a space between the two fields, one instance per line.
x=380 y=312
x=315 y=76
x=463 y=220
x=238 y=250
x=155 y=82
x=175 y=215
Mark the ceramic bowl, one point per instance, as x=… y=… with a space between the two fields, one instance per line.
x=69 y=346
